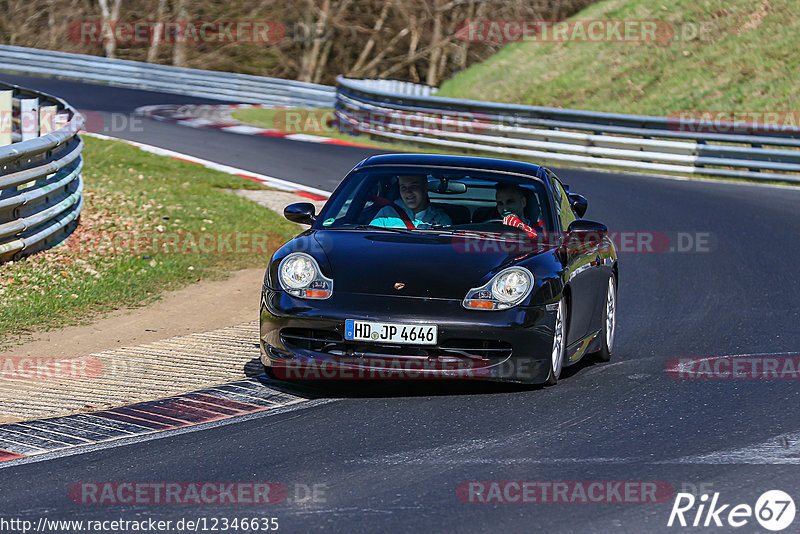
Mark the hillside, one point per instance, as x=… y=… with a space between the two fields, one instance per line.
x=742 y=58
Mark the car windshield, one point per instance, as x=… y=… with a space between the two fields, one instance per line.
x=417 y=199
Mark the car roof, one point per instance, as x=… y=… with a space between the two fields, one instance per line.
x=440 y=160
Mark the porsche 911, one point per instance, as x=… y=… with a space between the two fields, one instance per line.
x=435 y=266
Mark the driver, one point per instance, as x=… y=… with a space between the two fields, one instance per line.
x=511 y=204
x=413 y=208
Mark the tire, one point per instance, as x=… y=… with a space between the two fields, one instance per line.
x=270 y=372
x=559 y=343
x=609 y=331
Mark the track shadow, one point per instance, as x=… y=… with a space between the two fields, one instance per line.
x=374 y=388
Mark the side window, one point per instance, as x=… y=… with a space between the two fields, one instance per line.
x=564 y=209
x=554 y=186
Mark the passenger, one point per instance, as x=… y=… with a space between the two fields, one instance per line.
x=413 y=209
x=511 y=200
x=511 y=204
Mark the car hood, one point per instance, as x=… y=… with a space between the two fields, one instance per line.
x=431 y=265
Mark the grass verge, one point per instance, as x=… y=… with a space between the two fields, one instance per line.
x=742 y=57
x=149 y=224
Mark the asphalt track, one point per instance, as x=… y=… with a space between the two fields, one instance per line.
x=391 y=456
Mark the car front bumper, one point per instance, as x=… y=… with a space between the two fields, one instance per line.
x=304 y=339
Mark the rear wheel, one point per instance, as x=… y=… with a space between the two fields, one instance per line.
x=609 y=329
x=559 y=343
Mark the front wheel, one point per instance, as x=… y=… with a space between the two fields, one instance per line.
x=609 y=329
x=559 y=343
x=271 y=374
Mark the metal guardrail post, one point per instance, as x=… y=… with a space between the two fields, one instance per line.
x=29 y=118
x=47 y=118
x=5 y=117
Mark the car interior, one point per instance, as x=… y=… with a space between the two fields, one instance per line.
x=467 y=201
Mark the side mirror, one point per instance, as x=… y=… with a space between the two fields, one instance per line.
x=578 y=203
x=300 y=212
x=583 y=234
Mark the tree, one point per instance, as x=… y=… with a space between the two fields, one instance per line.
x=415 y=40
x=109 y=21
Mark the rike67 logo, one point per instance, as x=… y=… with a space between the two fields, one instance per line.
x=774 y=510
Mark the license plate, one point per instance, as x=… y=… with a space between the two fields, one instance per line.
x=410 y=334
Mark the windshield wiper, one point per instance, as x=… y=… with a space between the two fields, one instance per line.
x=406 y=230
x=387 y=228
x=436 y=230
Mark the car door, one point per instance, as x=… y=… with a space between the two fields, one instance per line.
x=579 y=263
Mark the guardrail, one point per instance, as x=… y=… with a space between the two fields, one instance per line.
x=226 y=86
x=40 y=171
x=565 y=136
x=396 y=87
x=411 y=113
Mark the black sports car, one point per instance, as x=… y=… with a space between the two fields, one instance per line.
x=426 y=266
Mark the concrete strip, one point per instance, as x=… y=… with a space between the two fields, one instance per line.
x=125 y=375
x=209 y=405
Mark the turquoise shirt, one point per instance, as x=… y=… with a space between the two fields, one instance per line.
x=388 y=217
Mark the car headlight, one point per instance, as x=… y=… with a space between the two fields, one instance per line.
x=506 y=289
x=299 y=275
